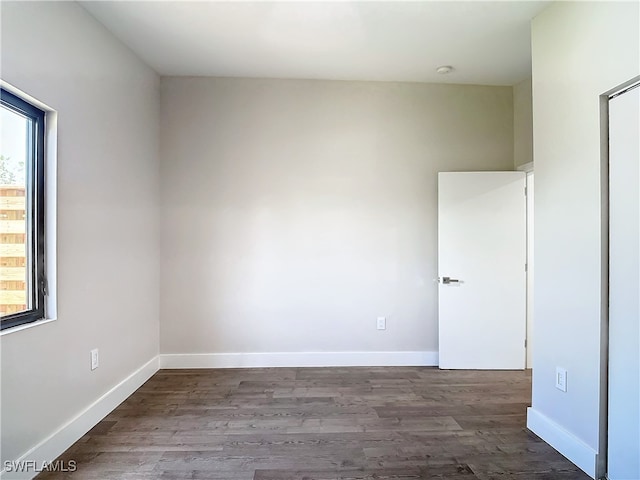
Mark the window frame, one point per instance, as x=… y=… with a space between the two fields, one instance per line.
x=35 y=202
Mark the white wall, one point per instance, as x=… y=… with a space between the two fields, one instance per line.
x=580 y=51
x=522 y=123
x=296 y=212
x=107 y=245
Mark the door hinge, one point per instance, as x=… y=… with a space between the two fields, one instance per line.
x=525 y=343
x=44 y=285
x=526 y=267
x=525 y=191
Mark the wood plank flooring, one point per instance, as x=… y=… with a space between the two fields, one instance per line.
x=321 y=424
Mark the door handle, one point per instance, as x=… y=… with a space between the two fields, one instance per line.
x=448 y=280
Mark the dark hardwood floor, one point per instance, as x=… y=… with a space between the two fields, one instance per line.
x=321 y=424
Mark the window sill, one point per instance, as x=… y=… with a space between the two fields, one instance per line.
x=26 y=325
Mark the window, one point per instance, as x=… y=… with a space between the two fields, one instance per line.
x=23 y=283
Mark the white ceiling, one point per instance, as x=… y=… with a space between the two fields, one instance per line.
x=486 y=42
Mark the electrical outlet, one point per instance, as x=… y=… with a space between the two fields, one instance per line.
x=561 y=379
x=382 y=323
x=94 y=359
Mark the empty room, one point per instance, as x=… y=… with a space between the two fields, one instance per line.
x=320 y=240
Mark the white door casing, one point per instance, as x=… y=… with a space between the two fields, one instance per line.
x=530 y=267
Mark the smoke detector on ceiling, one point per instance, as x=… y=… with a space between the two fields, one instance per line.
x=444 y=69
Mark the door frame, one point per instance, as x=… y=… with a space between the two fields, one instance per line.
x=603 y=456
x=528 y=168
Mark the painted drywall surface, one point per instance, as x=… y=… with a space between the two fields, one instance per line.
x=107 y=244
x=522 y=123
x=580 y=51
x=296 y=212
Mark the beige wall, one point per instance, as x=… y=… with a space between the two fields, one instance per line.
x=581 y=50
x=296 y=212
x=522 y=124
x=107 y=222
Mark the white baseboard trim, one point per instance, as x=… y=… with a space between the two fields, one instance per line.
x=54 y=445
x=578 y=452
x=299 y=359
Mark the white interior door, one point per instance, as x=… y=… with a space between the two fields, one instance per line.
x=481 y=265
x=624 y=286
